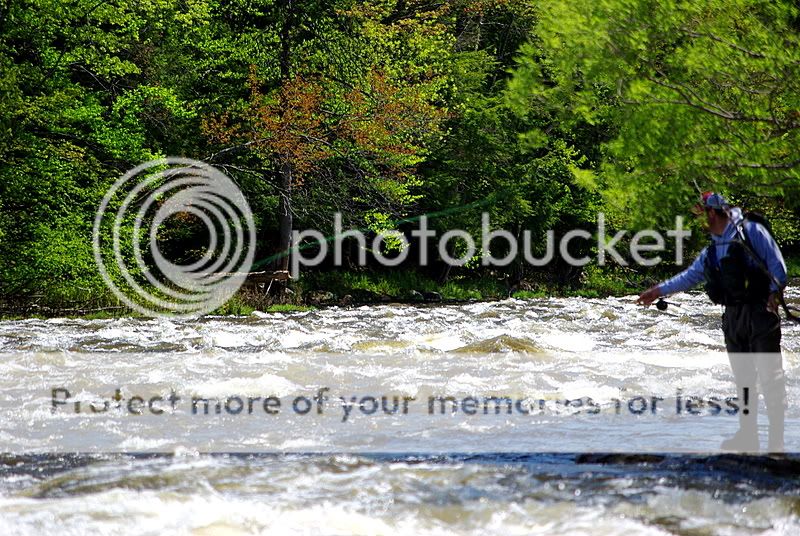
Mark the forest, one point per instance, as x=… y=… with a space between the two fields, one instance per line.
x=540 y=113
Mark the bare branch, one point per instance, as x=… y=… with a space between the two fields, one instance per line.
x=754 y=165
x=683 y=91
x=751 y=53
x=232 y=149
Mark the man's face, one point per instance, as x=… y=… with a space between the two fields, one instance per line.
x=711 y=221
x=716 y=223
x=710 y=218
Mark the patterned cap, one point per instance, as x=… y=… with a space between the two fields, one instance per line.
x=712 y=200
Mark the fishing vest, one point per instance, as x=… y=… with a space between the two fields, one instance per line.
x=736 y=278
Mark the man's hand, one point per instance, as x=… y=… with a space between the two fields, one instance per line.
x=649 y=296
x=773 y=302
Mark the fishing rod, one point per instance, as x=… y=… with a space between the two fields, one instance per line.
x=662 y=304
x=788 y=308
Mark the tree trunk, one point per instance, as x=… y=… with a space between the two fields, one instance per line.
x=285 y=205
x=285 y=219
x=285 y=216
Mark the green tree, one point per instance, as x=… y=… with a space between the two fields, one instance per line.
x=516 y=161
x=705 y=95
x=343 y=122
x=78 y=109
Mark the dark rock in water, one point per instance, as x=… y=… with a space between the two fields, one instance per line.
x=322 y=297
x=415 y=296
x=361 y=295
x=768 y=466
x=619 y=458
x=432 y=296
x=13 y=460
x=783 y=465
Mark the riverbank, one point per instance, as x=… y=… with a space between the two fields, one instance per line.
x=349 y=288
x=364 y=287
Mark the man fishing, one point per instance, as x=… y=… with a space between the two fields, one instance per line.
x=743 y=270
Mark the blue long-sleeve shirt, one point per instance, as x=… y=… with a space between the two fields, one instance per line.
x=761 y=242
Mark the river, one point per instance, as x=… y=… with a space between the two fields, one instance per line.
x=564 y=458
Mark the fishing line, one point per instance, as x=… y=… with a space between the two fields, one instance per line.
x=411 y=219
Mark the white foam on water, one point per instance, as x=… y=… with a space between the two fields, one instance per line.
x=597 y=348
x=266 y=384
x=296 y=338
x=467 y=383
x=441 y=341
x=693 y=360
x=568 y=341
x=139 y=444
x=584 y=388
x=371 y=511
x=303 y=444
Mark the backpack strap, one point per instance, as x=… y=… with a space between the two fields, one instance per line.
x=711 y=254
x=762 y=265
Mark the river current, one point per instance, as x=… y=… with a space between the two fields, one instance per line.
x=548 y=466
